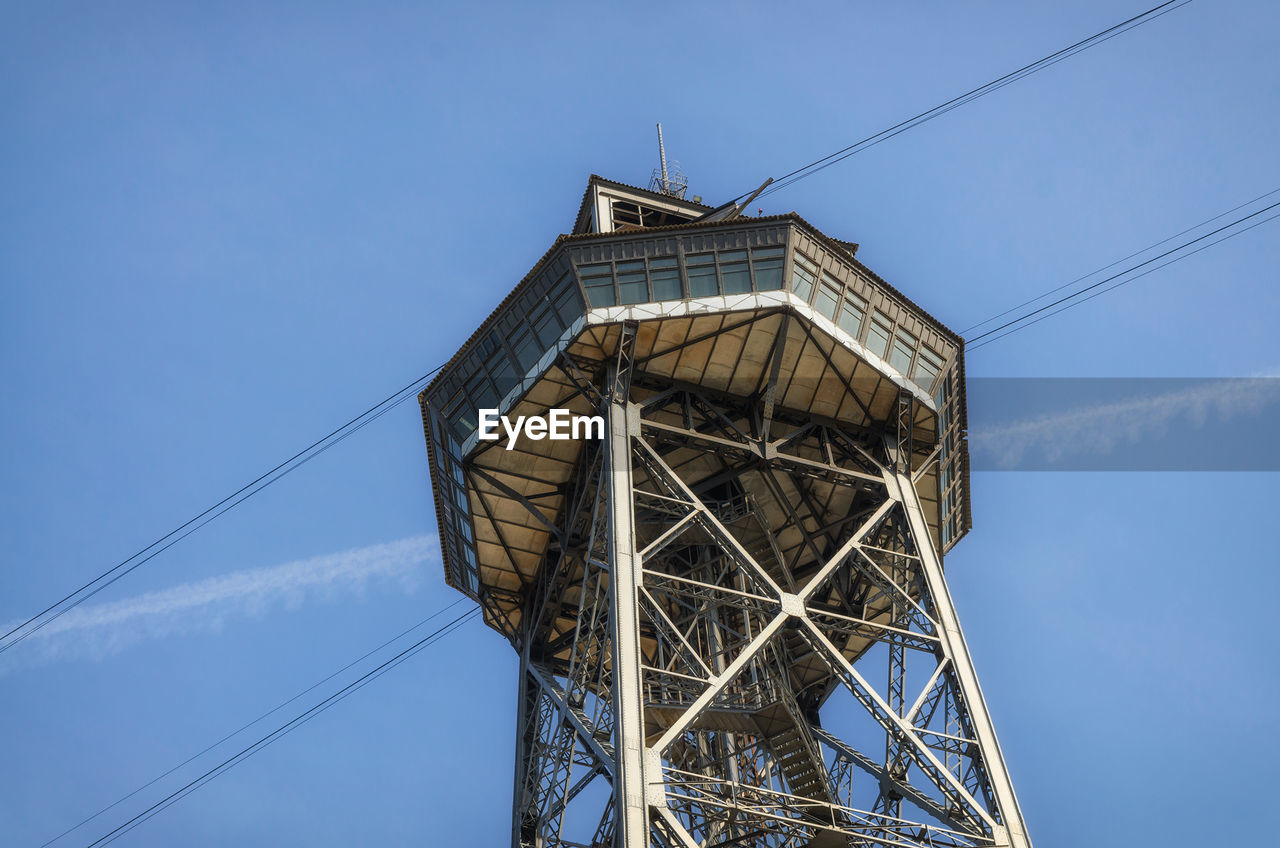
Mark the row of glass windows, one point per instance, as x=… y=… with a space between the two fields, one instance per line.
x=459 y=541
x=708 y=274
x=950 y=516
x=848 y=310
x=505 y=358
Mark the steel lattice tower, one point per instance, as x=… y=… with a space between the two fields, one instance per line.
x=730 y=611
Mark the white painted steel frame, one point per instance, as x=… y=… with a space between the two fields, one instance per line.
x=656 y=801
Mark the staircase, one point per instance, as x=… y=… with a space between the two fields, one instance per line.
x=795 y=750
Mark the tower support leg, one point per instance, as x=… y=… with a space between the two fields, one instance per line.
x=631 y=815
x=966 y=677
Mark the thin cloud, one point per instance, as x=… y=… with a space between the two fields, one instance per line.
x=94 y=632
x=1097 y=430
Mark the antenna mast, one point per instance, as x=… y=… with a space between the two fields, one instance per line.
x=662 y=155
x=670 y=181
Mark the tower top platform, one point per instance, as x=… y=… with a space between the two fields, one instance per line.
x=757 y=313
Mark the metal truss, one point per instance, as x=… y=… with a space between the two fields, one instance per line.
x=744 y=637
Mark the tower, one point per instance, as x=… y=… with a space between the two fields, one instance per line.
x=726 y=588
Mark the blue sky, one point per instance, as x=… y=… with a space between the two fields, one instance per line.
x=230 y=227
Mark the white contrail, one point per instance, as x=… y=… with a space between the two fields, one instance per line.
x=100 y=630
x=1097 y=430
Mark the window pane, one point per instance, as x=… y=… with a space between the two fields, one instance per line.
x=546 y=328
x=633 y=292
x=664 y=262
x=735 y=276
x=804 y=274
x=925 y=374
x=850 y=317
x=702 y=282
x=878 y=337
x=666 y=284
x=526 y=349
x=601 y=294
x=597 y=280
x=463 y=421
x=902 y=351
x=568 y=302
x=767 y=263
x=702 y=275
x=927 y=367
x=632 y=287
x=480 y=388
x=501 y=370
x=827 y=300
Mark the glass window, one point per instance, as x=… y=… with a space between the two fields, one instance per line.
x=827 y=299
x=597 y=280
x=804 y=274
x=878 y=335
x=928 y=364
x=904 y=346
x=567 y=302
x=462 y=420
x=735 y=275
x=767 y=264
x=664 y=276
x=526 y=349
x=702 y=274
x=601 y=294
x=502 y=371
x=545 y=328
x=851 y=314
x=480 y=388
x=632 y=285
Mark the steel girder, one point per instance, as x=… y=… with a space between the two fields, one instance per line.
x=731 y=591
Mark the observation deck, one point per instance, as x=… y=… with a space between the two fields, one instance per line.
x=762 y=313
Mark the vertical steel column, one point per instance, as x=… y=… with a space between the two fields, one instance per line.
x=631 y=828
x=522 y=830
x=965 y=675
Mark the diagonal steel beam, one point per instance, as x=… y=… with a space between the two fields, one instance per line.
x=894 y=723
x=712 y=523
x=965 y=675
x=581 y=724
x=717 y=684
